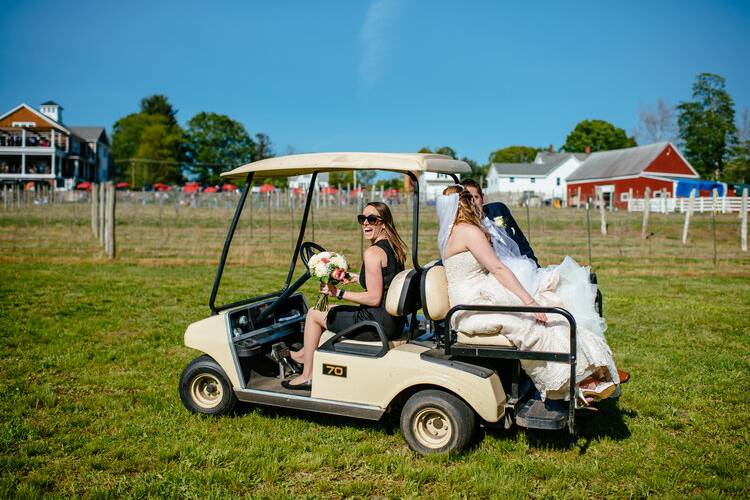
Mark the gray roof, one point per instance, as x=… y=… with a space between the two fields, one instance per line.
x=91 y=134
x=542 y=168
x=530 y=169
x=557 y=157
x=618 y=162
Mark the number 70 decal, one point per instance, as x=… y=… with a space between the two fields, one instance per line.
x=334 y=370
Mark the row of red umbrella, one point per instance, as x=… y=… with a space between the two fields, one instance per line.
x=194 y=187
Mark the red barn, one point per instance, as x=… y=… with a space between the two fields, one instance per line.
x=619 y=171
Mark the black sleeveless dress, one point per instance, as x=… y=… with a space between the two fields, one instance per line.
x=341 y=317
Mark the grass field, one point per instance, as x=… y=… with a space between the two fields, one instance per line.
x=92 y=351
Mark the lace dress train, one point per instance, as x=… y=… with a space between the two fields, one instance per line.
x=564 y=286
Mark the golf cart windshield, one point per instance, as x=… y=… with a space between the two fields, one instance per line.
x=412 y=165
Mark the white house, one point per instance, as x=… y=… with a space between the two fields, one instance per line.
x=303 y=181
x=545 y=177
x=432 y=184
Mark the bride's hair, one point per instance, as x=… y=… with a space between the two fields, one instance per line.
x=468 y=212
x=399 y=247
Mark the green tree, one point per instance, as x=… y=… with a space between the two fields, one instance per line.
x=148 y=145
x=447 y=151
x=514 y=154
x=263 y=147
x=391 y=183
x=158 y=104
x=738 y=168
x=215 y=143
x=340 y=178
x=424 y=149
x=599 y=135
x=707 y=125
x=478 y=172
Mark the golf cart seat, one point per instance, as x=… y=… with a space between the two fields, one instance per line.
x=401 y=300
x=436 y=304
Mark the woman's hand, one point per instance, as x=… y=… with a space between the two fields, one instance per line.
x=539 y=316
x=350 y=278
x=328 y=289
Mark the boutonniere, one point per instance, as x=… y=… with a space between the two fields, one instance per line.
x=500 y=222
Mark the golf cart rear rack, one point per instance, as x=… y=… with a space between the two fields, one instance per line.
x=452 y=348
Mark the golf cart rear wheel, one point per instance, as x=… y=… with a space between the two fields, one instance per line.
x=204 y=388
x=435 y=421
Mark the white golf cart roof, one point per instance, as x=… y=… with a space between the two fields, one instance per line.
x=292 y=165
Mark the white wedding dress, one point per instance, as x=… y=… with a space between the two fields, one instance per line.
x=566 y=286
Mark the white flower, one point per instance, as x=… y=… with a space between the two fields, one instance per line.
x=313 y=261
x=320 y=270
x=339 y=262
x=500 y=221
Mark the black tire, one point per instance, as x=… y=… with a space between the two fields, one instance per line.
x=434 y=421
x=204 y=388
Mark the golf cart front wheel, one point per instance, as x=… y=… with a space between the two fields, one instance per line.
x=204 y=388
x=435 y=421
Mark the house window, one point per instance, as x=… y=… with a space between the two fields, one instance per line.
x=558 y=181
x=533 y=180
x=512 y=180
x=624 y=196
x=24 y=124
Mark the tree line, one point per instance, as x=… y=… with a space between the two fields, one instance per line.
x=150 y=146
x=705 y=129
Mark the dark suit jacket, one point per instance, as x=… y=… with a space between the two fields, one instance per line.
x=496 y=209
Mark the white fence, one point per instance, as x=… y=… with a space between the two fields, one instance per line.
x=725 y=205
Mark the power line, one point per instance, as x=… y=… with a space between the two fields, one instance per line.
x=173 y=162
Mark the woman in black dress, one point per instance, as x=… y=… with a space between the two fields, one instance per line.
x=382 y=261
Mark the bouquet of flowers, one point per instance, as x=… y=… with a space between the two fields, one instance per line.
x=327 y=267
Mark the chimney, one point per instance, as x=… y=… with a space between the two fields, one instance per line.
x=588 y=150
x=52 y=110
x=551 y=149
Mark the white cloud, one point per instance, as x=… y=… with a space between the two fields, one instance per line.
x=374 y=43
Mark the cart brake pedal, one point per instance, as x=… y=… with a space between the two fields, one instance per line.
x=280 y=354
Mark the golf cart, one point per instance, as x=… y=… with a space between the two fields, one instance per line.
x=440 y=388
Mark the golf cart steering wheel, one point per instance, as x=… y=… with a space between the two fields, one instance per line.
x=306 y=251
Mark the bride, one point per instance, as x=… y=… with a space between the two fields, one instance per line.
x=484 y=266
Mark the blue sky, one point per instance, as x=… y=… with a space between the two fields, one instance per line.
x=382 y=75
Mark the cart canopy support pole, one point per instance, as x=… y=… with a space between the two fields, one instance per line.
x=302 y=227
x=228 y=242
x=415 y=223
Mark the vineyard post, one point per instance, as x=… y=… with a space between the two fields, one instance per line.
x=743 y=219
x=112 y=200
x=715 y=196
x=588 y=229
x=95 y=210
x=646 y=208
x=100 y=221
x=602 y=212
x=528 y=219
x=688 y=214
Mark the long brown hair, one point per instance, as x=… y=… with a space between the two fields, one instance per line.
x=399 y=247
x=468 y=212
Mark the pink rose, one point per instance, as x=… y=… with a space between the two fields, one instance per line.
x=339 y=274
x=325 y=260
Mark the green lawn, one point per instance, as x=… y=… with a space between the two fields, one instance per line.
x=92 y=352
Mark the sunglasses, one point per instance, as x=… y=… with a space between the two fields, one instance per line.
x=372 y=219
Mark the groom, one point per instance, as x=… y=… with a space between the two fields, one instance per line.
x=498 y=209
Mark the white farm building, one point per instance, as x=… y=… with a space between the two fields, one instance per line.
x=544 y=177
